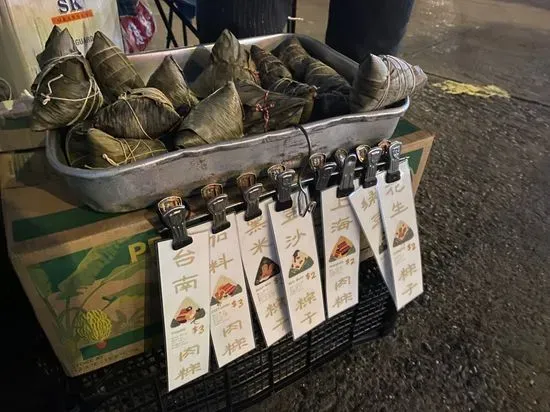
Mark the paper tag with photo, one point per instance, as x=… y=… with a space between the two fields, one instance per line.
x=230 y=320
x=263 y=272
x=341 y=233
x=367 y=210
x=185 y=288
x=297 y=252
x=399 y=218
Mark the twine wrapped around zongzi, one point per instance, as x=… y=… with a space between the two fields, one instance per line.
x=217 y=118
x=59 y=44
x=293 y=88
x=229 y=61
x=65 y=93
x=265 y=110
x=382 y=81
x=5 y=90
x=295 y=57
x=76 y=144
x=169 y=79
x=140 y=114
x=112 y=69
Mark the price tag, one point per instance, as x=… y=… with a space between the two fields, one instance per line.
x=185 y=288
x=263 y=272
x=341 y=240
x=297 y=252
x=399 y=219
x=230 y=321
x=366 y=207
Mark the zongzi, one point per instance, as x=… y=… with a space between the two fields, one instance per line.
x=112 y=69
x=217 y=118
x=5 y=90
x=229 y=61
x=294 y=56
x=108 y=151
x=265 y=110
x=65 y=93
x=140 y=114
x=168 y=78
x=59 y=44
x=384 y=80
x=76 y=144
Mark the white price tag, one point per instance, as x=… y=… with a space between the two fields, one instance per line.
x=399 y=218
x=341 y=234
x=263 y=272
x=185 y=288
x=297 y=252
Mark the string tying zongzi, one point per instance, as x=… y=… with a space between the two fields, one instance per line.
x=383 y=80
x=263 y=108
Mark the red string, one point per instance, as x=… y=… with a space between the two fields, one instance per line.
x=264 y=109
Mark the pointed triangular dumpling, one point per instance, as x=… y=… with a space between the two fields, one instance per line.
x=403 y=233
x=300 y=262
x=343 y=247
x=266 y=270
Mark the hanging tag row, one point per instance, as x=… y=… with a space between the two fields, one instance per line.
x=294 y=237
x=185 y=289
x=260 y=261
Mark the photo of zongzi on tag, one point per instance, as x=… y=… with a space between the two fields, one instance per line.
x=112 y=69
x=217 y=118
x=188 y=311
x=225 y=288
x=403 y=234
x=343 y=247
x=65 y=91
x=300 y=263
x=140 y=114
x=169 y=79
x=265 y=110
x=382 y=81
x=229 y=61
x=266 y=270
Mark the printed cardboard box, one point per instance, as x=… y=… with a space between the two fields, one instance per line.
x=91 y=277
x=25 y=168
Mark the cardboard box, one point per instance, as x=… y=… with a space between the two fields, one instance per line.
x=25 y=168
x=15 y=121
x=91 y=277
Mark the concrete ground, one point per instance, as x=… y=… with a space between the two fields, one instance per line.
x=478 y=337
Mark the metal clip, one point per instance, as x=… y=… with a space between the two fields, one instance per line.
x=369 y=158
x=251 y=192
x=323 y=170
x=283 y=179
x=394 y=158
x=174 y=213
x=216 y=203
x=346 y=162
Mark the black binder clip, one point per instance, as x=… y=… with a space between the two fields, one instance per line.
x=251 y=192
x=216 y=203
x=346 y=162
x=323 y=170
x=369 y=158
x=283 y=180
x=173 y=213
x=394 y=158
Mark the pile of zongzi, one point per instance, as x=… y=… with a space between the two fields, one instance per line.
x=242 y=90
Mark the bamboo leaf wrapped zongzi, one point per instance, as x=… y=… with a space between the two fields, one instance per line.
x=144 y=113
x=91 y=148
x=169 y=79
x=65 y=93
x=217 y=118
x=229 y=61
x=265 y=110
x=384 y=80
x=295 y=57
x=112 y=69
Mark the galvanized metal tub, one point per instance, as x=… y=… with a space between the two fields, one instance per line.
x=141 y=184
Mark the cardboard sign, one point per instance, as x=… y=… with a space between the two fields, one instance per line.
x=185 y=287
x=263 y=272
x=367 y=209
x=399 y=219
x=341 y=234
x=297 y=251
x=230 y=321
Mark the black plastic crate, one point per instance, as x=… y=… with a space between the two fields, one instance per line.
x=139 y=383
